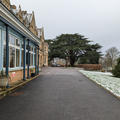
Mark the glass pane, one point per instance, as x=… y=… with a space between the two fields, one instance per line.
x=34 y=50
x=22 y=57
x=4 y=33
x=27 y=46
x=4 y=58
x=37 y=59
x=0 y=36
x=17 y=42
x=34 y=58
x=12 y=39
x=31 y=49
x=31 y=59
x=26 y=58
x=22 y=45
x=17 y=57
x=12 y=57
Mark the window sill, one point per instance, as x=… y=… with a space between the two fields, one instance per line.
x=18 y=68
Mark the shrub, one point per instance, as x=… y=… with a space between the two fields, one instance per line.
x=116 y=70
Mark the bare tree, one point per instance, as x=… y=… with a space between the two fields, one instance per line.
x=111 y=57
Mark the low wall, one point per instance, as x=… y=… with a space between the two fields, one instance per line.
x=90 y=66
x=17 y=75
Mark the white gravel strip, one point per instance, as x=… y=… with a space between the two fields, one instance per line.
x=104 y=79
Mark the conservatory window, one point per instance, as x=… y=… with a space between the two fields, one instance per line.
x=26 y=54
x=31 y=55
x=17 y=42
x=14 y=51
x=12 y=57
x=4 y=57
x=22 y=57
x=27 y=58
x=12 y=39
x=17 y=57
x=34 y=58
x=31 y=59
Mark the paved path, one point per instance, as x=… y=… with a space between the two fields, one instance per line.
x=60 y=94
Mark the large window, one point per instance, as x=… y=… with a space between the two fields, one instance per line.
x=22 y=53
x=14 y=51
x=12 y=57
x=31 y=55
x=34 y=56
x=22 y=57
x=4 y=44
x=17 y=57
x=37 y=58
x=27 y=53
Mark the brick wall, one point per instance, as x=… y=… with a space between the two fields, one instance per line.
x=17 y=75
x=90 y=66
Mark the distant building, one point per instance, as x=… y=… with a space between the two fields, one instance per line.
x=59 y=61
x=22 y=46
x=43 y=48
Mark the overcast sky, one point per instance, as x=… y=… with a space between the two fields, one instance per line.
x=99 y=20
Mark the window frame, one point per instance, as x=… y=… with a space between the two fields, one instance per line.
x=16 y=48
x=20 y=48
x=32 y=52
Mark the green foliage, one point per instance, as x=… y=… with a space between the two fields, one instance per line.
x=74 y=47
x=91 y=55
x=116 y=70
x=32 y=70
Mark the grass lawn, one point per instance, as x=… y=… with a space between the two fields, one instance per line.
x=104 y=79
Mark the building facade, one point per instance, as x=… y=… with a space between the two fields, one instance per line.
x=45 y=54
x=22 y=45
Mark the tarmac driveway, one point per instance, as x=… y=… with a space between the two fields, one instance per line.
x=60 y=94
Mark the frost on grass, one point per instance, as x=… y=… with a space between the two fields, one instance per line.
x=104 y=79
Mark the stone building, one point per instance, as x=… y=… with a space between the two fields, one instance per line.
x=43 y=48
x=45 y=63
x=22 y=46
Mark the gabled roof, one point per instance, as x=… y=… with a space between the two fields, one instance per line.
x=28 y=19
x=14 y=9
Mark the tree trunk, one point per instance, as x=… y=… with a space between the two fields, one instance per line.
x=72 y=61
